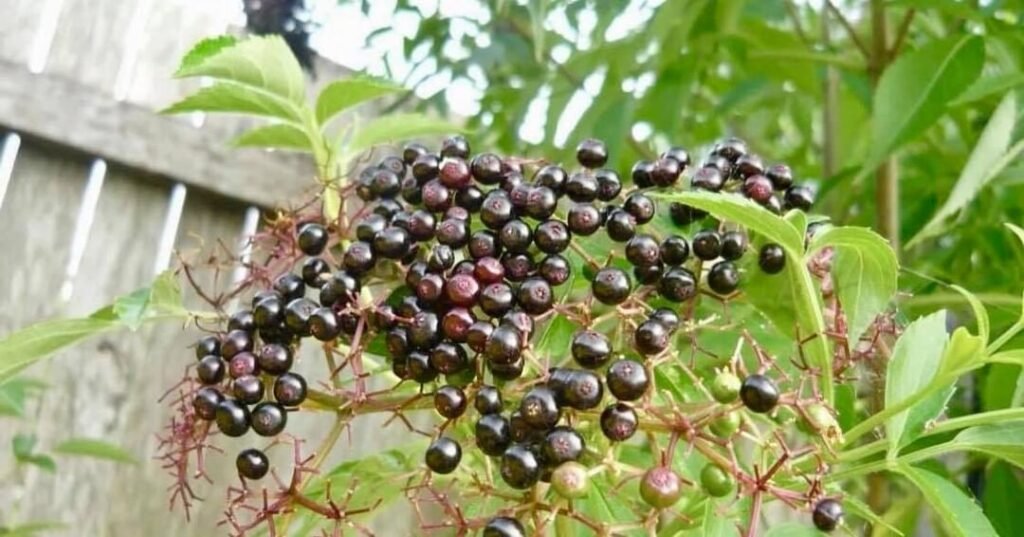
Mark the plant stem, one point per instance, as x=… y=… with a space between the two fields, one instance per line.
x=887 y=194
x=830 y=105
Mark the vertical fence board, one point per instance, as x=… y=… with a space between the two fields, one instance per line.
x=88 y=46
x=17 y=28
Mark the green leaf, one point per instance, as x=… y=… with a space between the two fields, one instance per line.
x=97 y=449
x=344 y=94
x=964 y=352
x=990 y=156
x=1003 y=489
x=714 y=524
x=959 y=514
x=865 y=271
x=1004 y=440
x=914 y=91
x=229 y=97
x=980 y=313
x=276 y=136
x=23 y=446
x=262 y=62
x=26 y=346
x=398 y=127
x=860 y=509
x=15 y=392
x=742 y=211
x=793 y=529
x=987 y=86
x=162 y=298
x=204 y=49
x=915 y=362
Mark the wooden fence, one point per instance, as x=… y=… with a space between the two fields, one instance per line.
x=96 y=193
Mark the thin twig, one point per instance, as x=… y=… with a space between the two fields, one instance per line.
x=849 y=29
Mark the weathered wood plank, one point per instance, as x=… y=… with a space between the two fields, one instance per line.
x=89 y=43
x=18 y=25
x=60 y=111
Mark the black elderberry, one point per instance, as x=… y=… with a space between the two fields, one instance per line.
x=242 y=320
x=519 y=468
x=462 y=290
x=535 y=296
x=758 y=188
x=684 y=215
x=430 y=288
x=541 y=202
x=297 y=314
x=584 y=219
x=454 y=173
x=618 y=422
x=651 y=337
x=520 y=320
x=759 y=393
x=252 y=464
x=555 y=269
x=608 y=184
x=269 y=312
x=627 y=380
x=539 y=408
x=443 y=455
x=455 y=324
x=771 y=258
x=781 y=176
x=450 y=401
x=424 y=330
x=413 y=151
x=674 y=250
x=290 y=287
x=723 y=278
x=706 y=244
x=774 y=205
x=488 y=400
x=274 y=358
x=749 y=165
x=828 y=514
x=268 y=419
x=478 y=334
x=207 y=345
x=562 y=444
x=503 y=526
x=517 y=266
x=315 y=272
x=665 y=172
x=235 y=341
x=511 y=179
x=708 y=178
x=206 y=401
x=648 y=274
x=448 y=358
x=509 y=371
x=678 y=154
x=211 y=369
x=232 y=418
x=731 y=148
x=551 y=236
x=247 y=389
x=520 y=195
x=488 y=270
x=516 y=236
x=497 y=209
x=418 y=367
x=503 y=345
x=487 y=168
x=590 y=349
x=611 y=286
x=641 y=174
x=666 y=317
x=470 y=198
x=493 y=434
x=581 y=187
x=290 y=389
x=324 y=324
x=551 y=176
x=734 y=245
x=312 y=239
x=678 y=285
x=799 y=197
x=496 y=299
x=385 y=183
x=394 y=163
x=436 y=196
x=387 y=208
x=484 y=243
x=642 y=250
x=591 y=153
x=358 y=258
x=720 y=163
x=577 y=388
x=620 y=225
x=339 y=290
x=640 y=206
x=455 y=146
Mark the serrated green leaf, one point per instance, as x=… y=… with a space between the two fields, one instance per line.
x=397 y=127
x=914 y=364
x=96 y=449
x=262 y=62
x=341 y=95
x=204 y=49
x=959 y=514
x=860 y=509
x=277 y=136
x=914 y=91
x=990 y=156
x=793 y=529
x=230 y=97
x=865 y=270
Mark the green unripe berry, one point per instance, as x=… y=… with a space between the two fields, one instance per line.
x=726 y=425
x=725 y=387
x=716 y=481
x=571 y=480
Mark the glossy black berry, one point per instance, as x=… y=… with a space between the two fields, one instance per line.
x=799 y=197
x=551 y=236
x=581 y=187
x=443 y=455
x=268 y=419
x=290 y=287
x=385 y=183
x=488 y=400
x=535 y=296
x=642 y=250
x=496 y=299
x=315 y=272
x=667 y=317
x=247 y=389
x=551 y=176
x=611 y=286
x=503 y=526
x=651 y=337
x=731 y=148
x=448 y=358
x=641 y=174
x=488 y=270
x=684 y=215
x=454 y=173
x=562 y=444
x=591 y=153
x=539 y=408
x=232 y=418
x=678 y=154
x=509 y=371
x=503 y=345
x=324 y=324
x=234 y=342
x=620 y=225
x=424 y=330
x=771 y=258
x=486 y=168
x=590 y=349
x=484 y=243
x=436 y=197
x=517 y=266
x=493 y=434
x=207 y=345
x=290 y=389
x=211 y=369
x=608 y=184
x=519 y=468
x=555 y=269
x=455 y=324
x=252 y=464
x=515 y=236
x=781 y=176
x=723 y=278
x=418 y=367
x=759 y=393
x=640 y=206
x=206 y=401
x=339 y=290
x=425 y=167
x=627 y=380
x=274 y=358
x=828 y=514
x=312 y=239
x=619 y=422
x=706 y=244
x=576 y=388
x=359 y=258
x=584 y=219
x=268 y=312
x=297 y=314
x=748 y=165
x=541 y=202
x=758 y=188
x=678 y=285
x=242 y=364
x=242 y=320
x=648 y=274
x=665 y=172
x=734 y=245
x=708 y=178
x=455 y=146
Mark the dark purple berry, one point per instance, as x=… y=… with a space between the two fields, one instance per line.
x=312 y=239
x=232 y=418
x=771 y=258
x=611 y=286
x=450 y=401
x=268 y=419
x=206 y=401
x=252 y=464
x=759 y=393
x=443 y=455
x=290 y=389
x=627 y=380
x=618 y=422
x=590 y=349
x=706 y=244
x=723 y=278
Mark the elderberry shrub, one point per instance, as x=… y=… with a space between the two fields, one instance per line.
x=564 y=304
